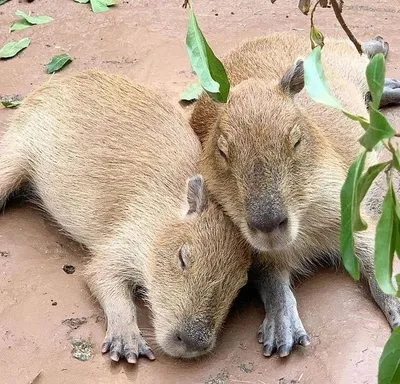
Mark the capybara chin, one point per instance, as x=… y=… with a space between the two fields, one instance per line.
x=115 y=166
x=276 y=161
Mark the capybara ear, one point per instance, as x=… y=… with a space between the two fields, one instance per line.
x=196 y=194
x=292 y=81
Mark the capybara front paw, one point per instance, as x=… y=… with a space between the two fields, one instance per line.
x=279 y=332
x=128 y=345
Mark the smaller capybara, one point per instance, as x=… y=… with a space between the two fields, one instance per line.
x=115 y=166
x=276 y=161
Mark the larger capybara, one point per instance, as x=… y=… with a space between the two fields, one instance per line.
x=276 y=162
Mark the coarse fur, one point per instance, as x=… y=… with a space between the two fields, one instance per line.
x=115 y=165
x=276 y=162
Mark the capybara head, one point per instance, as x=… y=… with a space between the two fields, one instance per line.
x=259 y=160
x=199 y=265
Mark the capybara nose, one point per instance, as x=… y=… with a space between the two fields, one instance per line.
x=267 y=223
x=195 y=337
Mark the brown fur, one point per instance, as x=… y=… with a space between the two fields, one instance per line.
x=110 y=161
x=272 y=151
x=259 y=123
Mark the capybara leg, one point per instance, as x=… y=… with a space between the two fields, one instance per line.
x=282 y=327
x=12 y=170
x=391 y=93
x=389 y=304
x=110 y=285
x=375 y=46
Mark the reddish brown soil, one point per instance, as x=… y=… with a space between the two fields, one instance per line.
x=146 y=41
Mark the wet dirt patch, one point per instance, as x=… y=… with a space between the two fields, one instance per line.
x=82 y=349
x=247 y=367
x=74 y=322
x=220 y=378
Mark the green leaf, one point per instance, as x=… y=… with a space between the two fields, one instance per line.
x=208 y=67
x=397 y=208
x=389 y=363
x=57 y=62
x=315 y=80
x=396 y=160
x=192 y=92
x=316 y=37
x=101 y=5
x=379 y=129
x=317 y=87
x=397 y=278
x=348 y=204
x=13 y=47
x=396 y=243
x=3 y=2
x=34 y=20
x=82 y=1
x=363 y=185
x=376 y=78
x=10 y=103
x=397 y=229
x=19 y=25
x=385 y=238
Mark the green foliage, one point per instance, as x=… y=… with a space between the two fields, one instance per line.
x=101 y=5
x=315 y=80
x=316 y=37
x=348 y=199
x=389 y=363
x=10 y=103
x=378 y=133
x=376 y=78
x=385 y=242
x=98 y=5
x=379 y=129
x=13 y=47
x=363 y=185
x=192 y=92
x=357 y=182
x=318 y=89
x=3 y=1
x=208 y=67
x=58 y=62
x=28 y=20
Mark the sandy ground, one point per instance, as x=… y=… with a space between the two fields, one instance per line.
x=145 y=40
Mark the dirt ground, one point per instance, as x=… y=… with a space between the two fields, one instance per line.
x=145 y=40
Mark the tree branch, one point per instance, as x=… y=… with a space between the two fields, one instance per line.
x=339 y=17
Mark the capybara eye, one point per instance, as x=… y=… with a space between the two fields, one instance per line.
x=183 y=257
x=222 y=147
x=222 y=153
x=295 y=136
x=297 y=143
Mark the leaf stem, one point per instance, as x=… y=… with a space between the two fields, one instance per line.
x=312 y=13
x=339 y=17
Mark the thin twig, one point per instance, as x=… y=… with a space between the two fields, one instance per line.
x=340 y=19
x=34 y=380
x=312 y=13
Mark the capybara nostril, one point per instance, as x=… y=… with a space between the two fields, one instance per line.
x=193 y=341
x=194 y=336
x=267 y=223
